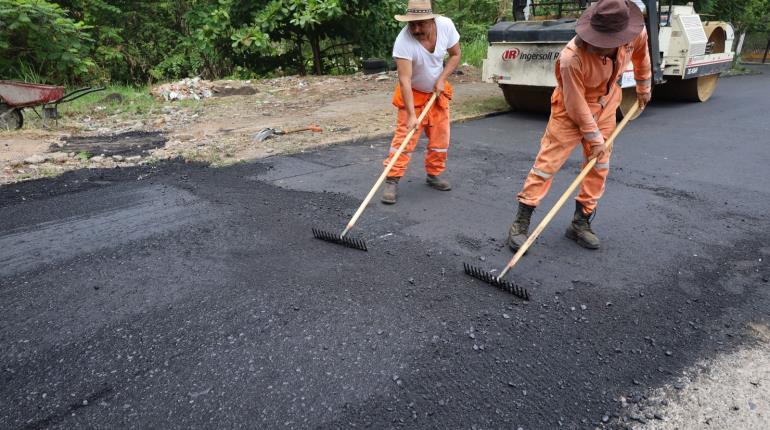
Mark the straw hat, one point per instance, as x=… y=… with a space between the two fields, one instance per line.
x=610 y=23
x=417 y=10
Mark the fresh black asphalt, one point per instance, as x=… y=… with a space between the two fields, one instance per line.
x=179 y=296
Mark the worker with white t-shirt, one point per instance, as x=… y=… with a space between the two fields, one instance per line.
x=419 y=53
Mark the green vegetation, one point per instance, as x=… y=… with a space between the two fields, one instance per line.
x=135 y=101
x=745 y=15
x=38 y=39
x=84 y=155
x=475 y=51
x=127 y=98
x=138 y=42
x=142 y=41
x=480 y=106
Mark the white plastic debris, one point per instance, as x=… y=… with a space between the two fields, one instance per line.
x=186 y=89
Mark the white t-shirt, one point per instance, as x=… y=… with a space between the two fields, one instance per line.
x=426 y=66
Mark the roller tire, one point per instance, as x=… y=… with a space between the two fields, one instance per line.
x=528 y=99
x=698 y=89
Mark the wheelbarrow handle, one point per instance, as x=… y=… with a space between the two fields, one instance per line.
x=74 y=95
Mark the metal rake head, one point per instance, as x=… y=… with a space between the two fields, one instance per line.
x=491 y=279
x=340 y=240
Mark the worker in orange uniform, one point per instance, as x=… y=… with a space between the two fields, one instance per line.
x=610 y=33
x=419 y=52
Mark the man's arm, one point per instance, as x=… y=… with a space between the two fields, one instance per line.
x=642 y=69
x=574 y=93
x=575 y=102
x=405 y=82
x=454 y=60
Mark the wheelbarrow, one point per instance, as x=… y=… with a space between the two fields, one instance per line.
x=15 y=96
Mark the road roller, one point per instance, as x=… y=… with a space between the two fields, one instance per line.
x=687 y=53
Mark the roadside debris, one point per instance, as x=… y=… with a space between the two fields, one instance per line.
x=197 y=89
x=186 y=89
x=218 y=128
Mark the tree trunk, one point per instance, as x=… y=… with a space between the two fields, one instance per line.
x=502 y=9
x=739 y=48
x=300 y=58
x=315 y=44
x=738 y=45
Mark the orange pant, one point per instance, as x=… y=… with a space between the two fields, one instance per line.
x=561 y=137
x=436 y=127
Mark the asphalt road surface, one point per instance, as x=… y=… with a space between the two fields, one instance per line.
x=177 y=296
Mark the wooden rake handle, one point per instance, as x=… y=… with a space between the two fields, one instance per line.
x=313 y=128
x=591 y=163
x=390 y=165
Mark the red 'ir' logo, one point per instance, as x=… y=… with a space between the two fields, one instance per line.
x=511 y=54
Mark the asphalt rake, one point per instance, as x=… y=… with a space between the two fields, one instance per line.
x=511 y=287
x=360 y=244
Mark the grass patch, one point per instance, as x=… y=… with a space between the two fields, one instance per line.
x=120 y=102
x=114 y=99
x=40 y=172
x=739 y=70
x=475 y=51
x=49 y=172
x=84 y=155
x=480 y=106
x=124 y=101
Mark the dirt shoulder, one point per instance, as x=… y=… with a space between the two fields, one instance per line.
x=222 y=130
x=729 y=391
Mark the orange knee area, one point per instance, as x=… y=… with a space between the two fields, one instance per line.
x=558 y=142
x=436 y=128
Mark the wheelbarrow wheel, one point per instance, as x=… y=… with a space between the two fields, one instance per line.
x=10 y=118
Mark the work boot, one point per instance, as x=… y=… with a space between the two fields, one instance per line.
x=390 y=191
x=438 y=183
x=580 y=229
x=519 y=231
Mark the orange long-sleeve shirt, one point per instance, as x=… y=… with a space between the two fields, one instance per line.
x=588 y=82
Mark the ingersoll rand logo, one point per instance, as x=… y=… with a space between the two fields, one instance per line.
x=516 y=54
x=511 y=54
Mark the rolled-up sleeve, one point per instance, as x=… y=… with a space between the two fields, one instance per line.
x=575 y=102
x=642 y=67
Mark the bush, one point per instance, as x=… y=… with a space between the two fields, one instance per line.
x=38 y=39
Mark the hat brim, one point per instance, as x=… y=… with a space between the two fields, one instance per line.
x=416 y=17
x=610 y=40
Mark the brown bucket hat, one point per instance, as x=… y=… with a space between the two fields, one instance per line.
x=610 y=23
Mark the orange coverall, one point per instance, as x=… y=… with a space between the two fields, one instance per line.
x=583 y=109
x=435 y=124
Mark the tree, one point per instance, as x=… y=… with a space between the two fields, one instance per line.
x=472 y=19
x=287 y=25
x=131 y=37
x=38 y=40
x=136 y=41
x=744 y=15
